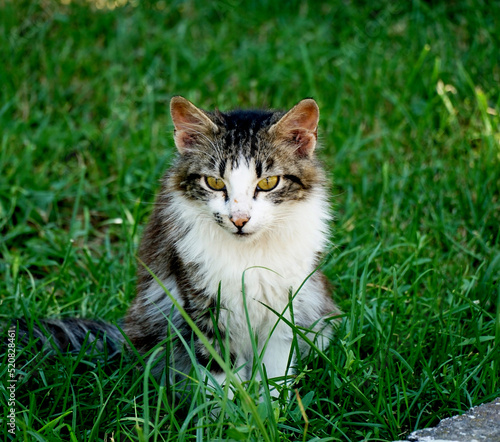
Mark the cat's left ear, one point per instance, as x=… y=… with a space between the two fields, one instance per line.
x=299 y=127
x=191 y=124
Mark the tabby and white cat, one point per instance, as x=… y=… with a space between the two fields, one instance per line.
x=242 y=216
x=246 y=196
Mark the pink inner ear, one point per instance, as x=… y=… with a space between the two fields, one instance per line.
x=183 y=119
x=189 y=123
x=305 y=141
x=308 y=119
x=299 y=126
x=183 y=140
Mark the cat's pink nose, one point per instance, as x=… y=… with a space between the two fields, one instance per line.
x=239 y=221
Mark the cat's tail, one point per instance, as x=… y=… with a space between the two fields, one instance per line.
x=70 y=335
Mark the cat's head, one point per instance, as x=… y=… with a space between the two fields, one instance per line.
x=246 y=170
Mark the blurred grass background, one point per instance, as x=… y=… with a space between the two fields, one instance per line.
x=409 y=99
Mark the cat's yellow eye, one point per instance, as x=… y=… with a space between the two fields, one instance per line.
x=215 y=183
x=268 y=183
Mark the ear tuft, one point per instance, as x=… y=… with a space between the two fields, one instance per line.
x=190 y=123
x=299 y=127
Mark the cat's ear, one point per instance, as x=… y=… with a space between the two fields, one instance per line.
x=299 y=127
x=190 y=123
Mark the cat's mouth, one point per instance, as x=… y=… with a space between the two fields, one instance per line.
x=242 y=234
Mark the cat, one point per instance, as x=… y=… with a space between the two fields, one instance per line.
x=236 y=235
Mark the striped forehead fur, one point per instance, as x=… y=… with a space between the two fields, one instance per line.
x=241 y=134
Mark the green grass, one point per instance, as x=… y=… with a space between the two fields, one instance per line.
x=409 y=98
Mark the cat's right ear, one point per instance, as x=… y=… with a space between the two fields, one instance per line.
x=299 y=127
x=190 y=123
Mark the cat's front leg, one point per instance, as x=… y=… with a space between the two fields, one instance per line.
x=278 y=360
x=239 y=368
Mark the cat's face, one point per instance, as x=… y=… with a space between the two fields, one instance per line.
x=246 y=170
x=241 y=201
